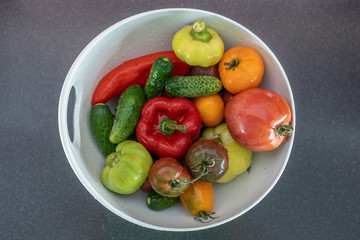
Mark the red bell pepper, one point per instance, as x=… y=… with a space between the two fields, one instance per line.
x=134 y=71
x=167 y=127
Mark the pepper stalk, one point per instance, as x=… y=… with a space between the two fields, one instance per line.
x=199 y=32
x=168 y=127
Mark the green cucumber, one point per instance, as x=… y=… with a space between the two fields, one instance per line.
x=101 y=122
x=127 y=113
x=157 y=202
x=193 y=86
x=160 y=71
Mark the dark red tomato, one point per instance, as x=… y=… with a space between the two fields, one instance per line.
x=258 y=119
x=204 y=71
x=169 y=178
x=207 y=160
x=226 y=96
x=146 y=187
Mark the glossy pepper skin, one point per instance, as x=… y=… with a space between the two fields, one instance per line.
x=167 y=127
x=134 y=71
x=198 y=45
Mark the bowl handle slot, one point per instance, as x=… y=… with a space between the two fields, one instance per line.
x=68 y=116
x=70 y=113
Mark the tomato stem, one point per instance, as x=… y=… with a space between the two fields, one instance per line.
x=205 y=215
x=284 y=130
x=112 y=159
x=203 y=166
x=199 y=32
x=168 y=127
x=175 y=184
x=205 y=171
x=233 y=64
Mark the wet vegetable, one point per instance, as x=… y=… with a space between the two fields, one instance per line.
x=199 y=201
x=157 y=202
x=168 y=126
x=239 y=157
x=198 y=45
x=258 y=119
x=127 y=168
x=169 y=178
x=207 y=160
x=211 y=109
x=133 y=71
x=241 y=68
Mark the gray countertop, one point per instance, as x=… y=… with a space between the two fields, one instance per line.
x=318 y=45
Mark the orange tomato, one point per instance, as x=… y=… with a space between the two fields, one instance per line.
x=211 y=109
x=241 y=68
x=199 y=200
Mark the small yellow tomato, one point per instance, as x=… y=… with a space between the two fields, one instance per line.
x=211 y=109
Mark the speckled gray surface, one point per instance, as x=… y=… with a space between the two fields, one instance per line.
x=317 y=196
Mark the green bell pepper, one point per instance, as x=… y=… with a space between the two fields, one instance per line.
x=127 y=168
x=239 y=157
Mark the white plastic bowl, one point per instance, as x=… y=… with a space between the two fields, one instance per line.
x=143 y=34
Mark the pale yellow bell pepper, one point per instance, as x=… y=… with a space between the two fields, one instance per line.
x=198 y=45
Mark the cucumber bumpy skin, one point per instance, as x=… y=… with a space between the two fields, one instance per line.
x=193 y=86
x=127 y=114
x=157 y=202
x=160 y=71
x=101 y=121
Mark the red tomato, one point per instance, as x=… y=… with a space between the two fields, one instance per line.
x=258 y=119
x=146 y=187
x=169 y=178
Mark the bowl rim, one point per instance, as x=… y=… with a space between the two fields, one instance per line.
x=70 y=147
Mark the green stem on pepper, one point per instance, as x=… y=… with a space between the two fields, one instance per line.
x=168 y=127
x=199 y=32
